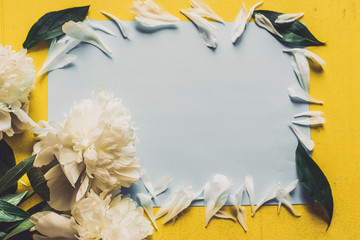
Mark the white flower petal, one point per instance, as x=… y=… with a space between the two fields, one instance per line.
x=240 y=24
x=288 y=18
x=311 y=121
x=265 y=23
x=124 y=29
x=24 y=118
x=270 y=195
x=224 y=215
x=145 y=178
x=249 y=183
x=208 y=32
x=162 y=185
x=82 y=32
x=62 y=195
x=304 y=140
x=252 y=9
x=240 y=211
x=5 y=120
x=283 y=196
x=216 y=193
x=53 y=225
x=202 y=9
x=297 y=94
x=84 y=187
x=57 y=55
x=97 y=25
x=150 y=14
x=309 y=55
x=309 y=114
x=146 y=203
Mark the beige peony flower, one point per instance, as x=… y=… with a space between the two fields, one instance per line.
x=95 y=148
x=95 y=217
x=17 y=78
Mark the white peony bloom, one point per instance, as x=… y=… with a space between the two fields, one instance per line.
x=95 y=217
x=17 y=78
x=95 y=148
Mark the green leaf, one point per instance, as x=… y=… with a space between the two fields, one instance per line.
x=2 y=235
x=38 y=183
x=11 y=213
x=7 y=161
x=14 y=199
x=314 y=180
x=23 y=226
x=15 y=173
x=50 y=25
x=294 y=33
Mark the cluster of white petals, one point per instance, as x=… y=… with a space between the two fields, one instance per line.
x=95 y=217
x=95 y=149
x=17 y=78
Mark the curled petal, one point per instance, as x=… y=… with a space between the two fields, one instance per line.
x=240 y=211
x=240 y=24
x=208 y=32
x=124 y=29
x=84 y=33
x=270 y=195
x=303 y=139
x=224 y=215
x=202 y=9
x=97 y=25
x=309 y=114
x=264 y=22
x=249 y=183
x=146 y=203
x=297 y=94
x=288 y=18
x=309 y=55
x=150 y=14
x=283 y=196
x=216 y=193
x=160 y=187
x=311 y=121
x=252 y=9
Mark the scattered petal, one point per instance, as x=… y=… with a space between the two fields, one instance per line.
x=82 y=32
x=240 y=24
x=249 y=183
x=288 y=18
x=252 y=9
x=283 y=196
x=208 y=32
x=149 y=14
x=97 y=25
x=297 y=94
x=241 y=21
x=176 y=203
x=318 y=61
x=303 y=139
x=203 y=10
x=311 y=121
x=265 y=23
x=216 y=193
x=270 y=195
x=309 y=114
x=146 y=203
x=145 y=178
x=124 y=29
x=224 y=215
x=159 y=188
x=240 y=211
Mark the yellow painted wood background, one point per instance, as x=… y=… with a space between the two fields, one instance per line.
x=337 y=149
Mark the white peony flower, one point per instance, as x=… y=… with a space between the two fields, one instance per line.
x=95 y=217
x=17 y=78
x=95 y=148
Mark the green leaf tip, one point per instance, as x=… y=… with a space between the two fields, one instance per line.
x=294 y=33
x=49 y=25
x=314 y=180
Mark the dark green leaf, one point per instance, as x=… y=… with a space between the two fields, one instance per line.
x=14 y=199
x=49 y=25
x=11 y=213
x=314 y=180
x=23 y=226
x=2 y=235
x=7 y=161
x=38 y=183
x=15 y=173
x=42 y=206
x=294 y=33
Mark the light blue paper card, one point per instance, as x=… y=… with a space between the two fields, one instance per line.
x=199 y=111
